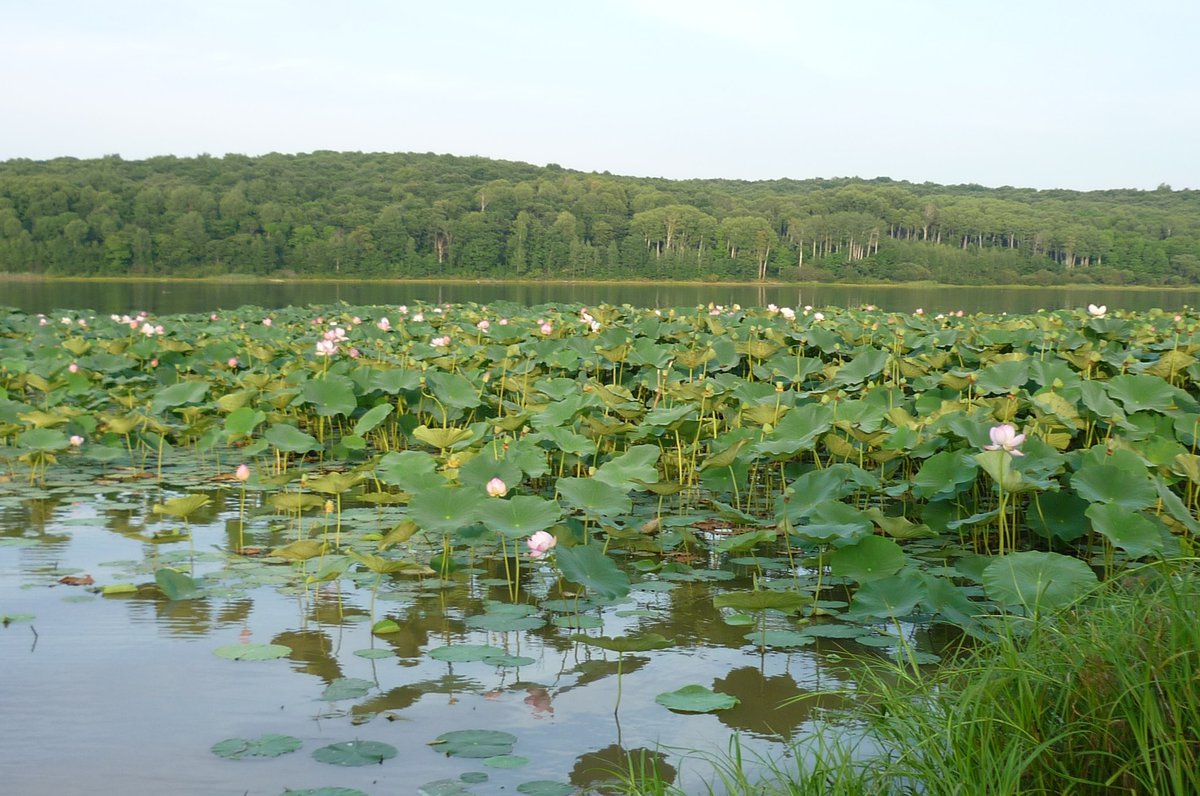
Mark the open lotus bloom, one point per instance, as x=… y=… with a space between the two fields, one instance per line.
x=1005 y=438
x=1097 y=311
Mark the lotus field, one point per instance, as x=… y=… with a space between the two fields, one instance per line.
x=831 y=473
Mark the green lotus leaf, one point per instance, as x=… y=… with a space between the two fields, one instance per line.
x=635 y=466
x=176 y=585
x=45 y=440
x=372 y=418
x=1105 y=483
x=695 y=699
x=242 y=422
x=290 y=439
x=355 y=753
x=520 y=516
x=870 y=558
x=443 y=438
x=944 y=475
x=593 y=497
x=1058 y=515
x=299 y=550
x=762 y=600
x=334 y=483
x=742 y=542
x=1138 y=393
x=453 y=390
x=546 y=787
x=1037 y=582
x=999 y=465
x=622 y=644
x=1002 y=377
x=588 y=566
x=185 y=392
x=270 y=745
x=835 y=523
x=867 y=365
x=445 y=509
x=253 y=652
x=888 y=598
x=182 y=507
x=412 y=471
x=778 y=638
x=475 y=744
x=330 y=396
x=346 y=688
x=464 y=653
x=294 y=501
x=1127 y=530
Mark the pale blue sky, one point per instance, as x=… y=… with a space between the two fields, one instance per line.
x=1033 y=93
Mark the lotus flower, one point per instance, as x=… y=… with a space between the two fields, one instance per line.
x=1005 y=437
x=1097 y=311
x=497 y=488
x=384 y=325
x=233 y=363
x=266 y=321
x=788 y=313
x=242 y=473
x=326 y=348
x=73 y=368
x=541 y=543
x=546 y=328
x=483 y=325
x=76 y=441
x=440 y=342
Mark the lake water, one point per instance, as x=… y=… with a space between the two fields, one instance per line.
x=164 y=297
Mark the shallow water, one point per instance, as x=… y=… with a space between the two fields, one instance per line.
x=124 y=694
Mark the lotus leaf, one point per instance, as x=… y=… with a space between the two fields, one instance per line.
x=270 y=745
x=588 y=566
x=253 y=652
x=477 y=744
x=1127 y=530
x=695 y=699
x=355 y=753
x=888 y=598
x=1037 y=582
x=870 y=558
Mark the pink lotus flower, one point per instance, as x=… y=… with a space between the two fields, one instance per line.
x=326 y=348
x=483 y=325
x=353 y=352
x=818 y=316
x=504 y=321
x=266 y=321
x=154 y=362
x=788 y=313
x=541 y=543
x=76 y=441
x=233 y=363
x=384 y=325
x=497 y=488
x=72 y=368
x=440 y=342
x=546 y=328
x=918 y=311
x=1005 y=437
x=418 y=317
x=212 y=317
x=242 y=473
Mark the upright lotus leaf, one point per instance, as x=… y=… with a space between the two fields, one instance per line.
x=762 y=600
x=242 y=422
x=395 y=380
x=1037 y=582
x=453 y=390
x=868 y=364
x=742 y=542
x=1175 y=508
x=42 y=419
x=835 y=523
x=445 y=509
x=870 y=558
x=999 y=465
x=519 y=516
x=230 y=402
x=443 y=438
x=1095 y=398
x=331 y=395
x=590 y=567
x=945 y=474
x=372 y=418
x=899 y=527
x=1127 y=530
x=1002 y=377
x=294 y=501
x=1139 y=393
x=483 y=468
x=299 y=550
x=1058 y=515
x=185 y=392
x=888 y=598
x=645 y=642
x=176 y=585
x=380 y=565
x=334 y=483
x=43 y=440
x=797 y=431
x=182 y=507
x=725 y=456
x=568 y=441
x=594 y=498
x=633 y=466
x=412 y=471
x=811 y=490
x=1103 y=483
x=951 y=603
x=290 y=439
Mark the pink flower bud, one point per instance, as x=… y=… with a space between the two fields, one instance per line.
x=497 y=488
x=76 y=441
x=242 y=473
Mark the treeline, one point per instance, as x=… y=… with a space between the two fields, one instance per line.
x=425 y=215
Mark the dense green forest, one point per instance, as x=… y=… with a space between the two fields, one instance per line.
x=425 y=215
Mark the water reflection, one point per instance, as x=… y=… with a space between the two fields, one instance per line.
x=771 y=706
x=615 y=764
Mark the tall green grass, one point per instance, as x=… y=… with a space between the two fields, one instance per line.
x=1100 y=699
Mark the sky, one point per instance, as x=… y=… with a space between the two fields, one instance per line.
x=1079 y=94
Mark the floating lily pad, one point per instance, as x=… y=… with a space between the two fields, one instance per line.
x=252 y=652
x=444 y=787
x=475 y=743
x=695 y=699
x=263 y=746
x=355 y=753
x=375 y=653
x=463 y=653
x=506 y=761
x=546 y=787
x=779 y=638
x=474 y=777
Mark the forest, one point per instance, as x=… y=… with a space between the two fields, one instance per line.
x=409 y=215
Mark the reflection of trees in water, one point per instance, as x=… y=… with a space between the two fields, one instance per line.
x=764 y=708
x=615 y=764
x=407 y=695
x=597 y=669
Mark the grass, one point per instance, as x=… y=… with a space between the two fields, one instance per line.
x=1101 y=699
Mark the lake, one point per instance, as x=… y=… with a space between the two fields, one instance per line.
x=164 y=297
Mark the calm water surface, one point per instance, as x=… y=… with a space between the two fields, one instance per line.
x=170 y=297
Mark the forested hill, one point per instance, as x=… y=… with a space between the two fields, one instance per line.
x=390 y=215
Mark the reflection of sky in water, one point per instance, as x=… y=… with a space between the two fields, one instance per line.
x=130 y=685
